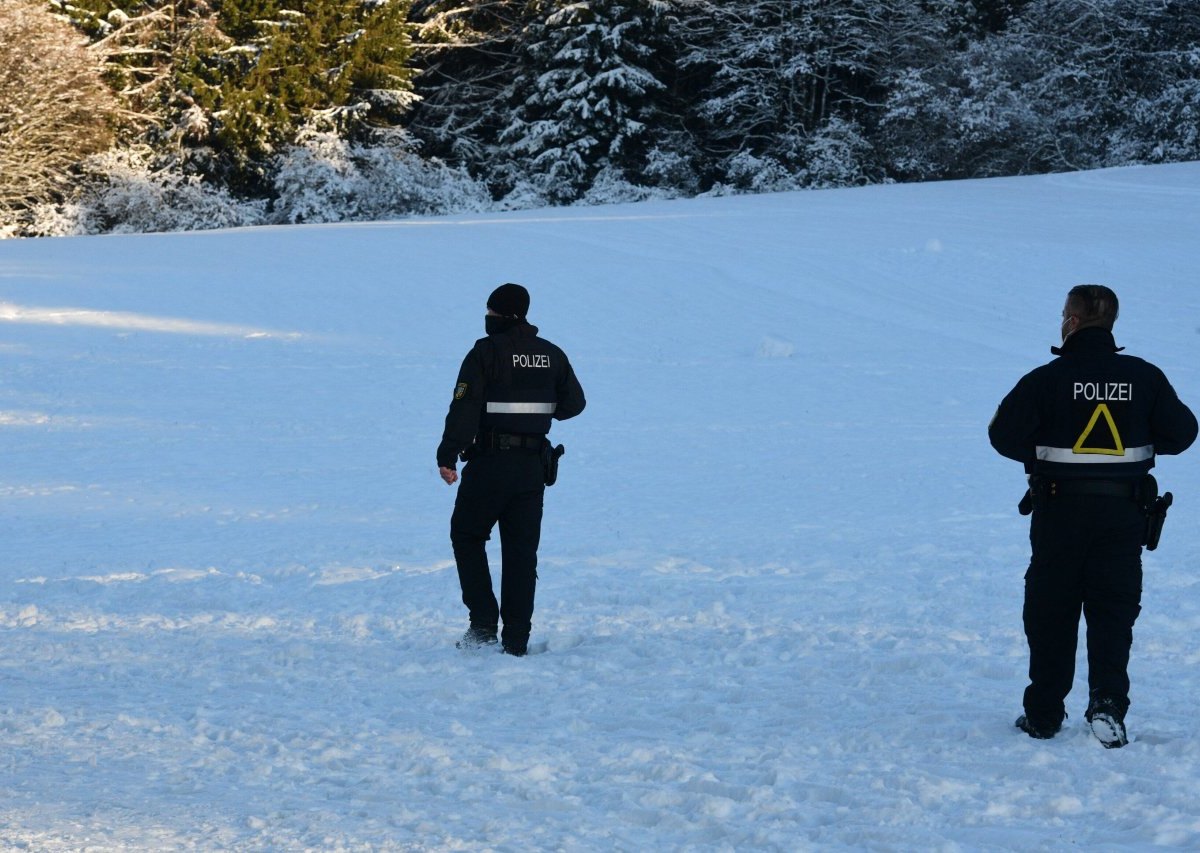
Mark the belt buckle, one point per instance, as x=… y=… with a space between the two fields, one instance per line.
x=503 y=441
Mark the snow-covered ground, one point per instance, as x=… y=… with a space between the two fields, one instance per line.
x=781 y=573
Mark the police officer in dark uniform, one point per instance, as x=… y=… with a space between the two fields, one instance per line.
x=1087 y=427
x=511 y=386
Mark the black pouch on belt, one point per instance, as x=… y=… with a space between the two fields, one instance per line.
x=550 y=457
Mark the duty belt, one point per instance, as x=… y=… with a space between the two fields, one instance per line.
x=507 y=441
x=1129 y=489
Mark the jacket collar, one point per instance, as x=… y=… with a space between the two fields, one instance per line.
x=1090 y=340
x=513 y=327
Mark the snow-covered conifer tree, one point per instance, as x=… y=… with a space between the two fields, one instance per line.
x=467 y=57
x=1067 y=85
x=588 y=96
x=344 y=59
x=769 y=75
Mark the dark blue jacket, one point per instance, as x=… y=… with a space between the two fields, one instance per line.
x=1091 y=413
x=511 y=382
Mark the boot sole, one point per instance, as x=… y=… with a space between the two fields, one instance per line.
x=1108 y=731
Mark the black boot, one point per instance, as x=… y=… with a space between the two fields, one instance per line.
x=477 y=637
x=1107 y=722
x=515 y=639
x=1040 y=729
x=516 y=649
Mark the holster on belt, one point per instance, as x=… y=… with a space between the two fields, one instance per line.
x=1155 y=509
x=550 y=457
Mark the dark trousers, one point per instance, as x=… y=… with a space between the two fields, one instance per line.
x=1086 y=556
x=504 y=486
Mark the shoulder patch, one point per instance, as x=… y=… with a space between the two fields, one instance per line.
x=460 y=391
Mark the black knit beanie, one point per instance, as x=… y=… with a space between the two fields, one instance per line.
x=509 y=300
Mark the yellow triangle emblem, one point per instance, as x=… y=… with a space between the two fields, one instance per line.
x=1081 y=444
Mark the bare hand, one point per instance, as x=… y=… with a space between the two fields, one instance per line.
x=449 y=475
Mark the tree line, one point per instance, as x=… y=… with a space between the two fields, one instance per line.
x=159 y=114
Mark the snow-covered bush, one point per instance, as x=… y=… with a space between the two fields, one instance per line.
x=745 y=172
x=122 y=192
x=837 y=156
x=673 y=166
x=1165 y=126
x=325 y=178
x=523 y=196
x=611 y=186
x=54 y=107
x=978 y=115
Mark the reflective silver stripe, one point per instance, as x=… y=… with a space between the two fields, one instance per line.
x=521 y=408
x=1066 y=454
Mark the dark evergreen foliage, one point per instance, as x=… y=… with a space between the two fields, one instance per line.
x=558 y=101
x=586 y=97
x=1070 y=84
x=468 y=55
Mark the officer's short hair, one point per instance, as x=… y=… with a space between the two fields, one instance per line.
x=1094 y=305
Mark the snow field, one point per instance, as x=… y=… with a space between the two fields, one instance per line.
x=781 y=572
